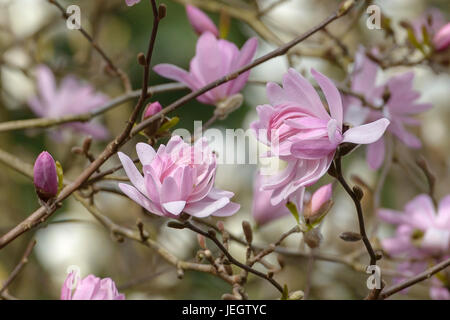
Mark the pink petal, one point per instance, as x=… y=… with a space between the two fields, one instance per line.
x=145 y=152
x=367 y=133
x=174 y=207
x=332 y=95
x=443 y=218
x=132 y=172
x=376 y=153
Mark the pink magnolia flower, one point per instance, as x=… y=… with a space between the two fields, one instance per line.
x=421 y=231
x=321 y=197
x=422 y=235
x=71 y=98
x=200 y=21
x=298 y=129
x=400 y=107
x=89 y=288
x=263 y=210
x=45 y=177
x=132 y=2
x=441 y=39
x=214 y=59
x=177 y=178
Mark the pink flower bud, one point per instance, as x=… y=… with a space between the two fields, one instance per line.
x=151 y=109
x=321 y=196
x=319 y=204
x=89 y=288
x=200 y=21
x=45 y=177
x=441 y=39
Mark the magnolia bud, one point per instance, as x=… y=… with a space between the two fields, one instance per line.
x=45 y=176
x=313 y=238
x=441 y=40
x=151 y=109
x=200 y=21
x=350 y=236
x=319 y=205
x=247 y=231
x=296 y=295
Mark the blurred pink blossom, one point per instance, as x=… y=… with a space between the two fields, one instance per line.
x=214 y=59
x=177 y=178
x=132 y=2
x=441 y=39
x=89 y=288
x=71 y=98
x=422 y=235
x=263 y=211
x=298 y=129
x=436 y=26
x=399 y=108
x=200 y=21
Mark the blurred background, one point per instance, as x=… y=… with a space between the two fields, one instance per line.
x=32 y=32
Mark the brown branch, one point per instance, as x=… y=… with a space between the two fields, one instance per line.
x=357 y=201
x=83 y=117
x=212 y=236
x=416 y=279
x=23 y=261
x=117 y=71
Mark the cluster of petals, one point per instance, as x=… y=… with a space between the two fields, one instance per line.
x=422 y=235
x=71 y=98
x=89 y=288
x=400 y=107
x=178 y=177
x=299 y=130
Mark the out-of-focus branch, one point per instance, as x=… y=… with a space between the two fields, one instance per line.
x=414 y=280
x=116 y=70
x=23 y=261
x=83 y=117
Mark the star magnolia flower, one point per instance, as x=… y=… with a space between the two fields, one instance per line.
x=298 y=129
x=132 y=2
x=200 y=21
x=89 y=288
x=399 y=108
x=71 y=98
x=263 y=211
x=421 y=231
x=177 y=178
x=214 y=58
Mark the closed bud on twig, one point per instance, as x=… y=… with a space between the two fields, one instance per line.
x=358 y=192
x=280 y=260
x=247 y=231
x=350 y=236
x=162 y=11
x=77 y=150
x=319 y=205
x=296 y=295
x=201 y=241
x=141 y=59
x=87 y=144
x=45 y=177
x=220 y=226
x=313 y=238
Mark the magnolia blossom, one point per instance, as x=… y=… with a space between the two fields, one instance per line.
x=71 y=98
x=214 y=58
x=422 y=235
x=89 y=288
x=177 y=178
x=400 y=106
x=200 y=21
x=45 y=177
x=298 y=129
x=263 y=210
